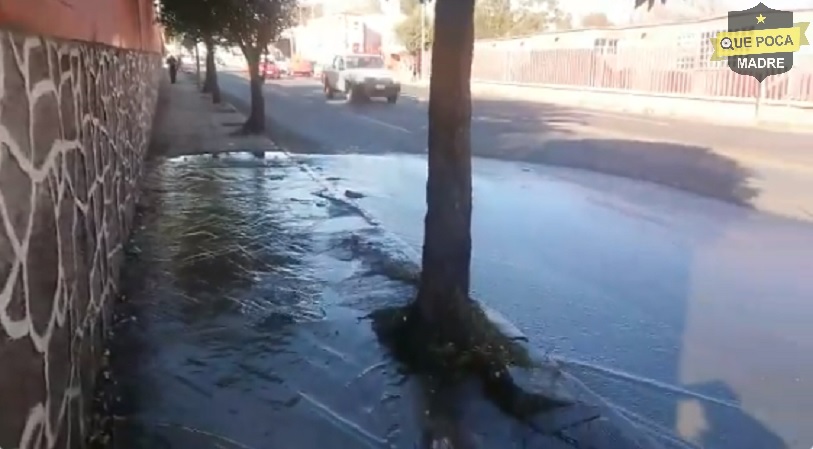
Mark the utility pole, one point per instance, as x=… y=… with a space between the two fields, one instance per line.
x=423 y=39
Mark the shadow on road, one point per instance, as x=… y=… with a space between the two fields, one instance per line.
x=692 y=169
x=301 y=120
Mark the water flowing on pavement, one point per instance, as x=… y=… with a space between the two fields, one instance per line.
x=251 y=282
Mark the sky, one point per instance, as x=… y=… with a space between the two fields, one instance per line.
x=618 y=11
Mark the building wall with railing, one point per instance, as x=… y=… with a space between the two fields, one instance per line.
x=667 y=59
x=78 y=87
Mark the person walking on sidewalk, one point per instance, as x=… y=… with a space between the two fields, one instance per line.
x=172 y=63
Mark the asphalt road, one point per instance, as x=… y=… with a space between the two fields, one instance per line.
x=688 y=314
x=763 y=169
x=685 y=312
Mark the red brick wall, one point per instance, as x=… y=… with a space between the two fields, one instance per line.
x=126 y=24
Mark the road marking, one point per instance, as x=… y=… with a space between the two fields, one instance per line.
x=631 y=117
x=382 y=123
x=277 y=91
x=413 y=97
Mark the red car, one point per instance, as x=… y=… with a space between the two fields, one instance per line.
x=270 y=70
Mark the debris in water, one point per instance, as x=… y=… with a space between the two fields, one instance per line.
x=353 y=194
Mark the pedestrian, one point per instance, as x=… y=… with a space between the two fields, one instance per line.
x=172 y=63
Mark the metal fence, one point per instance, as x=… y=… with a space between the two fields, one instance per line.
x=671 y=60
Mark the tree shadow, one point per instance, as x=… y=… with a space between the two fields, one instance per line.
x=684 y=167
x=559 y=136
x=722 y=423
x=513 y=130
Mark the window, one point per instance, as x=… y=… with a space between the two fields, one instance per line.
x=606 y=46
x=706 y=50
x=365 y=62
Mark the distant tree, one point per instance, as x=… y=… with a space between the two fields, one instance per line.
x=408 y=31
x=493 y=19
x=649 y=3
x=596 y=20
x=680 y=11
x=507 y=18
x=368 y=7
x=199 y=21
x=188 y=43
x=253 y=25
x=407 y=6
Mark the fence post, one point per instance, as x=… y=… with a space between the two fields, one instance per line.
x=760 y=99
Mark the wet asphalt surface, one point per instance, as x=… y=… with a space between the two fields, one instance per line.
x=687 y=316
x=252 y=296
x=756 y=167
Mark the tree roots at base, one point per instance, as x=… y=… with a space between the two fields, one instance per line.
x=470 y=347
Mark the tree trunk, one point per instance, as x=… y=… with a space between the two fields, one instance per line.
x=443 y=295
x=197 y=64
x=256 y=119
x=207 y=80
x=210 y=84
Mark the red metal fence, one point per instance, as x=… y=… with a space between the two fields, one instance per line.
x=669 y=60
x=650 y=71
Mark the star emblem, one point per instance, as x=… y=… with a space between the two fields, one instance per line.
x=761 y=18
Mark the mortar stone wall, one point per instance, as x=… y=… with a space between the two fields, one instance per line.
x=75 y=121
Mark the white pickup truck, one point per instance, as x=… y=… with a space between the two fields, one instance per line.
x=360 y=77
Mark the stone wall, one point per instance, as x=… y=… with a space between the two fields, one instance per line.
x=75 y=122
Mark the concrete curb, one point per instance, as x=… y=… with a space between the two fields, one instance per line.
x=733 y=112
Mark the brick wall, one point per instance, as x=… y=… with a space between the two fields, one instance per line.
x=75 y=118
x=120 y=23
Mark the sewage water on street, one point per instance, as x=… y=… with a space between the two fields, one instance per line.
x=253 y=284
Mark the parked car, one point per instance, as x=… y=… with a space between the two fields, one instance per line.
x=360 y=77
x=270 y=70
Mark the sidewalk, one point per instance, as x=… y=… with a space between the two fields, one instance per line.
x=252 y=296
x=189 y=123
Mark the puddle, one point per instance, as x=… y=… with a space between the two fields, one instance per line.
x=251 y=291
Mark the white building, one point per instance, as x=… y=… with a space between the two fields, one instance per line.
x=330 y=27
